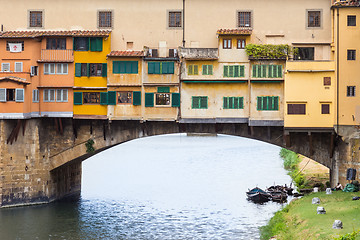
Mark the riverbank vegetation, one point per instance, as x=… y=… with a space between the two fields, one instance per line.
x=299 y=219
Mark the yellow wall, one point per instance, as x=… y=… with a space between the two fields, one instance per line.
x=126 y=111
x=124 y=79
x=161 y=78
x=90 y=109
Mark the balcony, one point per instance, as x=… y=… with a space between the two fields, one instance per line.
x=199 y=53
x=161 y=53
x=57 y=55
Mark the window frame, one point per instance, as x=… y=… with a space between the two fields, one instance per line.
x=207 y=69
x=325 y=108
x=48 y=94
x=126 y=92
x=311 y=25
x=19 y=64
x=242 y=44
x=351 y=54
x=12 y=95
x=97 y=98
x=63 y=92
x=36 y=25
x=193 y=69
x=243 y=21
x=199 y=100
x=351 y=20
x=227 y=43
x=35 y=95
x=108 y=24
x=56 y=43
x=296 y=108
x=47 y=69
x=274 y=107
x=167 y=98
x=230 y=102
x=169 y=19
x=350 y=91
x=5 y=64
x=96 y=69
x=304 y=53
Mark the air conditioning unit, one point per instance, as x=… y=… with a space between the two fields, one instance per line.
x=173 y=52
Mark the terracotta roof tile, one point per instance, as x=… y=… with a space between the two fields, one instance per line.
x=126 y=54
x=15 y=79
x=237 y=31
x=351 y=3
x=73 y=33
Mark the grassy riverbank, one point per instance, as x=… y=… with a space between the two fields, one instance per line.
x=299 y=220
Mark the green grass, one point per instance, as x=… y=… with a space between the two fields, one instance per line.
x=299 y=219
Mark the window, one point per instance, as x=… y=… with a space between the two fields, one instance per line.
x=49 y=68
x=267 y=71
x=90 y=69
x=296 y=109
x=96 y=44
x=207 y=70
x=5 y=67
x=49 y=95
x=61 y=68
x=81 y=44
x=268 y=103
x=33 y=71
x=314 y=19
x=84 y=69
x=244 y=19
x=226 y=43
x=91 y=97
x=105 y=19
x=162 y=99
x=325 y=108
x=2 y=94
x=10 y=95
x=351 y=20
x=175 y=19
x=233 y=102
x=14 y=42
x=161 y=68
x=350 y=91
x=36 y=19
x=351 y=54
x=304 y=53
x=35 y=95
x=241 y=43
x=234 y=71
x=125 y=67
x=96 y=69
x=327 y=81
x=124 y=97
x=56 y=43
x=259 y=71
x=199 y=102
x=61 y=95
x=193 y=69
x=18 y=66
x=275 y=71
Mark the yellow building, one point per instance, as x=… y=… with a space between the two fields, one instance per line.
x=90 y=83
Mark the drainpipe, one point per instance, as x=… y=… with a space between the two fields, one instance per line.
x=337 y=70
x=183 y=41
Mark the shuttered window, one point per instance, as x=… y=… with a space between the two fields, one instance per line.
x=207 y=70
x=161 y=68
x=111 y=98
x=193 y=69
x=149 y=99
x=78 y=98
x=275 y=71
x=104 y=98
x=268 y=103
x=96 y=44
x=234 y=71
x=2 y=94
x=259 y=71
x=199 y=102
x=90 y=69
x=233 y=102
x=175 y=99
x=136 y=98
x=125 y=67
x=296 y=108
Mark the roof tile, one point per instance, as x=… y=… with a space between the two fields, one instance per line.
x=237 y=31
x=72 y=33
x=127 y=53
x=15 y=79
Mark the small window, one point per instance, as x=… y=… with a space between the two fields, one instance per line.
x=96 y=69
x=49 y=68
x=241 y=43
x=233 y=103
x=193 y=69
x=125 y=67
x=62 y=68
x=49 y=95
x=350 y=91
x=91 y=97
x=19 y=95
x=33 y=71
x=268 y=103
x=61 y=95
x=124 y=97
x=105 y=19
x=36 y=19
x=35 y=95
x=5 y=67
x=244 y=19
x=200 y=102
x=234 y=71
x=161 y=67
x=18 y=66
x=56 y=43
x=10 y=95
x=327 y=81
x=207 y=70
x=325 y=108
x=314 y=19
x=351 y=54
x=83 y=69
x=351 y=20
x=81 y=44
x=175 y=19
x=15 y=44
x=226 y=43
x=296 y=109
x=162 y=99
x=304 y=53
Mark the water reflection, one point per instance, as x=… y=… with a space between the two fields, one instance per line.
x=165 y=187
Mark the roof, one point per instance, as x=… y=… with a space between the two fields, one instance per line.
x=237 y=31
x=73 y=33
x=350 y=3
x=15 y=79
x=127 y=53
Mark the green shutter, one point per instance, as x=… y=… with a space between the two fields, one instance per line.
x=135 y=67
x=96 y=44
x=231 y=71
x=204 y=70
x=103 y=98
x=136 y=98
x=77 y=69
x=122 y=68
x=149 y=99
x=163 y=89
x=78 y=98
x=242 y=71
x=276 y=103
x=225 y=103
x=104 y=70
x=259 y=103
x=128 y=67
x=237 y=71
x=88 y=69
x=195 y=103
x=226 y=71
x=203 y=102
x=263 y=71
x=74 y=43
x=279 y=71
x=190 y=69
x=151 y=67
x=116 y=67
x=157 y=68
x=196 y=69
x=175 y=99
x=210 y=69
x=164 y=67
x=111 y=98
x=171 y=68
x=241 y=103
x=254 y=71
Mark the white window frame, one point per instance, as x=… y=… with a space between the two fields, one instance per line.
x=47 y=68
x=19 y=95
x=62 y=68
x=18 y=64
x=2 y=94
x=33 y=71
x=60 y=93
x=35 y=95
x=163 y=105
x=48 y=93
x=5 y=67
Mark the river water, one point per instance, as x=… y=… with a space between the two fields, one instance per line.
x=163 y=187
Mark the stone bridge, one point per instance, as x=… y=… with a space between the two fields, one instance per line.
x=41 y=158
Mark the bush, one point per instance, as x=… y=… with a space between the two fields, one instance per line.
x=348 y=236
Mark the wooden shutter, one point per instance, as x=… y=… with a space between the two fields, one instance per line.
x=163 y=89
x=259 y=103
x=78 y=98
x=237 y=71
x=111 y=95
x=255 y=72
x=136 y=98
x=175 y=99
x=128 y=67
x=135 y=67
x=195 y=102
x=164 y=67
x=2 y=94
x=151 y=67
x=296 y=109
x=116 y=67
x=205 y=70
x=242 y=71
x=190 y=69
x=263 y=71
x=271 y=71
x=225 y=103
x=149 y=99
x=241 y=103
x=77 y=69
x=122 y=67
x=279 y=71
x=210 y=69
x=171 y=68
x=231 y=71
x=19 y=95
x=96 y=44
x=157 y=68
x=196 y=69
x=104 y=70
x=226 y=71
x=103 y=98
x=88 y=69
x=203 y=102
